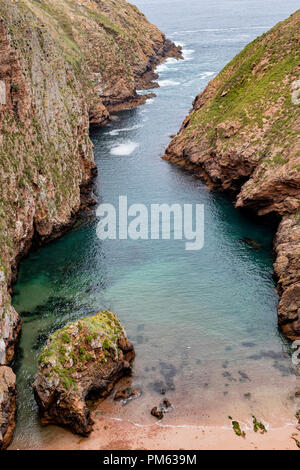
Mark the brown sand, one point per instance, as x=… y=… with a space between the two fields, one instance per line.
x=112 y=434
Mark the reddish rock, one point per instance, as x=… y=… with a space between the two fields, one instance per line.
x=7 y=405
x=81 y=363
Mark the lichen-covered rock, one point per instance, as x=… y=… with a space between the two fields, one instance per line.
x=7 y=405
x=243 y=136
x=81 y=362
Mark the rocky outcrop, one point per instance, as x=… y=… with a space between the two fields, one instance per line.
x=7 y=405
x=64 y=65
x=80 y=363
x=243 y=136
x=287 y=268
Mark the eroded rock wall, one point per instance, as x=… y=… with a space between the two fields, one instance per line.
x=8 y=405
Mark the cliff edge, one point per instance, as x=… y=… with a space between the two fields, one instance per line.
x=243 y=136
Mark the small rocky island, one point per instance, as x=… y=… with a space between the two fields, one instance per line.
x=81 y=362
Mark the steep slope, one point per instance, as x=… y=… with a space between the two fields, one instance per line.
x=242 y=135
x=64 y=64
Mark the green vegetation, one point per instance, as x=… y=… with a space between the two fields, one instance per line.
x=297 y=442
x=65 y=337
x=68 y=349
x=237 y=428
x=258 y=426
x=254 y=92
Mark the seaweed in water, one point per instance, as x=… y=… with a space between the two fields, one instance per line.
x=237 y=428
x=258 y=426
x=297 y=442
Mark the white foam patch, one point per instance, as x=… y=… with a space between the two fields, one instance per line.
x=171 y=60
x=187 y=53
x=162 y=68
x=125 y=129
x=144 y=92
x=202 y=76
x=127 y=148
x=217 y=30
x=205 y=75
x=178 y=43
x=165 y=83
x=150 y=101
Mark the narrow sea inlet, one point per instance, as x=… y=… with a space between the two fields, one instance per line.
x=203 y=323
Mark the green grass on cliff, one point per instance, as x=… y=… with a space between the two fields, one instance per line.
x=250 y=88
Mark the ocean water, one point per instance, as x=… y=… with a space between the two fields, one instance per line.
x=203 y=323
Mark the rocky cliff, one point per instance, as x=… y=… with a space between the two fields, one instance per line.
x=64 y=65
x=81 y=362
x=243 y=136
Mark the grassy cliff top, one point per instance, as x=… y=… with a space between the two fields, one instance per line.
x=112 y=37
x=257 y=85
x=246 y=123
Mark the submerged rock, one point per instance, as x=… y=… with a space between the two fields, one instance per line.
x=157 y=413
x=81 y=362
x=127 y=395
x=7 y=405
x=252 y=243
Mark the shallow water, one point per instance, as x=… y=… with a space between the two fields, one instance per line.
x=203 y=323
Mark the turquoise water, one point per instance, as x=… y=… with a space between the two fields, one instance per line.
x=203 y=323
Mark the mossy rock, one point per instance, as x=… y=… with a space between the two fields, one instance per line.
x=81 y=362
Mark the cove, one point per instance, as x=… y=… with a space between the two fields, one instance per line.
x=203 y=323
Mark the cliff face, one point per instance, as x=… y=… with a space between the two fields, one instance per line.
x=242 y=135
x=8 y=405
x=64 y=64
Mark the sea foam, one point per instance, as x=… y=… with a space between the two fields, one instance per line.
x=164 y=83
x=188 y=53
x=127 y=148
x=125 y=129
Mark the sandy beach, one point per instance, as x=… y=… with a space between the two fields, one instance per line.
x=112 y=434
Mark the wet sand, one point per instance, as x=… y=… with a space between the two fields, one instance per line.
x=112 y=434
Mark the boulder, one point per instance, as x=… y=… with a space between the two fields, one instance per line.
x=81 y=362
x=7 y=405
